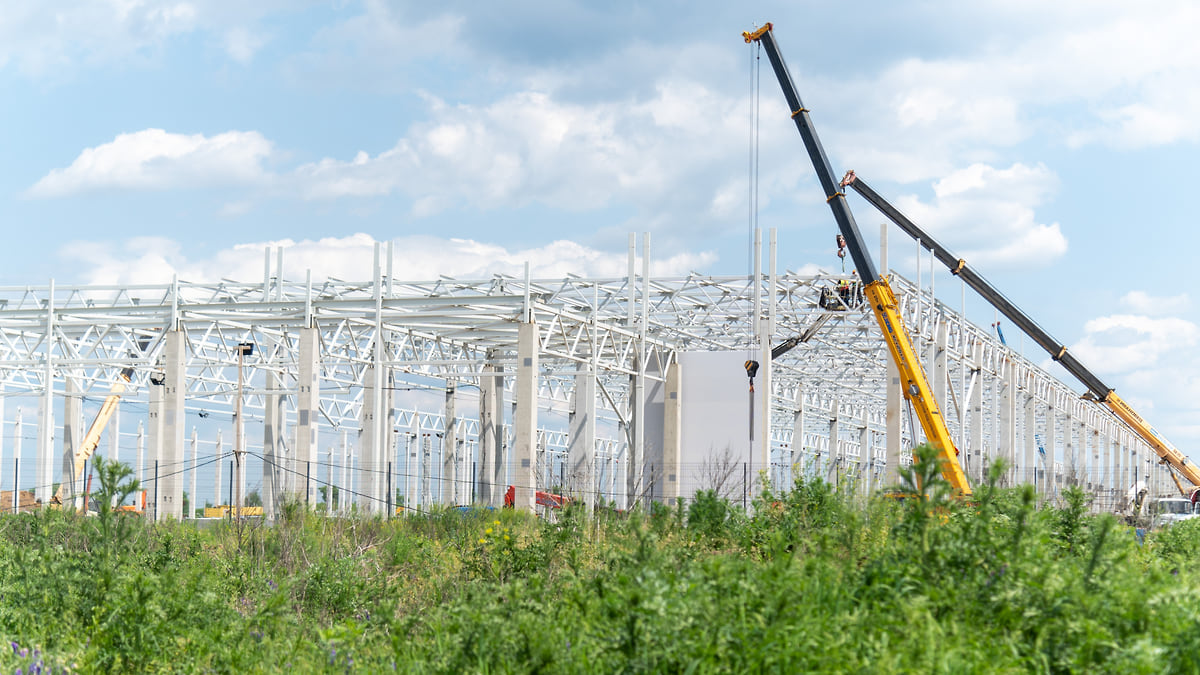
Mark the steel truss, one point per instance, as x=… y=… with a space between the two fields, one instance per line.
x=448 y=331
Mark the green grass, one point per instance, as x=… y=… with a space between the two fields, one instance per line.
x=813 y=579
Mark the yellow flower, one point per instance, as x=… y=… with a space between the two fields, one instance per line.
x=506 y=537
x=483 y=541
x=488 y=531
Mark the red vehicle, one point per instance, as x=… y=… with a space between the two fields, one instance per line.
x=542 y=498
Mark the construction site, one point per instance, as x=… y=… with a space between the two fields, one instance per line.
x=392 y=393
x=384 y=395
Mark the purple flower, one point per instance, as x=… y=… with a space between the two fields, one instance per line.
x=274 y=586
x=15 y=646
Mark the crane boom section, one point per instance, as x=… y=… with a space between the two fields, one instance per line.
x=91 y=440
x=916 y=389
x=876 y=289
x=1056 y=349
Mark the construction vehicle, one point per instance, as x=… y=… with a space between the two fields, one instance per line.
x=548 y=499
x=84 y=451
x=876 y=290
x=1096 y=390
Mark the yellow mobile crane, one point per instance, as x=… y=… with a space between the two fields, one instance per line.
x=876 y=289
x=1096 y=390
x=85 y=449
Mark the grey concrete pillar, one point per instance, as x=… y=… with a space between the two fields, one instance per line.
x=1007 y=447
x=866 y=461
x=976 y=456
x=938 y=366
x=450 y=477
x=275 y=467
x=154 y=444
x=1029 y=463
x=193 y=496
x=72 y=436
x=797 y=459
x=1050 y=479
x=581 y=440
x=308 y=411
x=833 y=464
x=672 y=467
x=636 y=459
x=525 y=417
x=492 y=463
x=170 y=491
x=894 y=423
x=44 y=488
x=369 y=442
x=218 y=468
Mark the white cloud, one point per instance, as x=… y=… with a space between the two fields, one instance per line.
x=146 y=260
x=242 y=43
x=47 y=37
x=1141 y=302
x=156 y=159
x=986 y=215
x=1126 y=342
x=1152 y=362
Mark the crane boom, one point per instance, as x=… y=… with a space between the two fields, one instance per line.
x=1058 y=351
x=90 y=441
x=876 y=289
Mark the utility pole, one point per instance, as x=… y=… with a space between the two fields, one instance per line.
x=244 y=349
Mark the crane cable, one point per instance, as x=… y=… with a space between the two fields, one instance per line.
x=752 y=365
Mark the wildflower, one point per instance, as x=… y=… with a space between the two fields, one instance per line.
x=506 y=537
x=483 y=541
x=488 y=531
x=15 y=646
x=496 y=522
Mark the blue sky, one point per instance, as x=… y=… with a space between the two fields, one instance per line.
x=1051 y=145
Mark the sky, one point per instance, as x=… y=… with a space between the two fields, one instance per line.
x=1048 y=144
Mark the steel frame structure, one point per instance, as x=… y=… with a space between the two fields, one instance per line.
x=60 y=341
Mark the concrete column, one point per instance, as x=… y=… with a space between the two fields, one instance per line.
x=114 y=433
x=672 y=434
x=154 y=445
x=308 y=411
x=977 y=458
x=636 y=460
x=139 y=470
x=492 y=464
x=1008 y=424
x=72 y=436
x=426 y=497
x=862 y=474
x=275 y=466
x=44 y=488
x=193 y=497
x=834 y=461
x=581 y=440
x=345 y=496
x=218 y=467
x=170 y=491
x=894 y=423
x=369 y=441
x=938 y=369
x=797 y=459
x=1029 y=463
x=1050 y=479
x=1083 y=455
x=525 y=417
x=450 y=478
